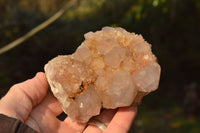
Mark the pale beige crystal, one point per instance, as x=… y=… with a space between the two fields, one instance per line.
x=111 y=68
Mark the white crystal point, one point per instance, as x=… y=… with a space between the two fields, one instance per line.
x=82 y=54
x=147 y=78
x=121 y=90
x=115 y=57
x=84 y=106
x=111 y=68
x=106 y=45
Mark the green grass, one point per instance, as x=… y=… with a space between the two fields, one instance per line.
x=169 y=120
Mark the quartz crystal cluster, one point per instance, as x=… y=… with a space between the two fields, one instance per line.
x=111 y=68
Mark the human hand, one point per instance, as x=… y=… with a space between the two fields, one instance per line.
x=33 y=103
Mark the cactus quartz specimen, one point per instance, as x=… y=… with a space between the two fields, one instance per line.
x=111 y=68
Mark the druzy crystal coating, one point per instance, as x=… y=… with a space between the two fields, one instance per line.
x=111 y=68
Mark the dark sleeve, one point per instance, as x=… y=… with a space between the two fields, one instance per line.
x=12 y=125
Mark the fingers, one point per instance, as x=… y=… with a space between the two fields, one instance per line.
x=22 y=97
x=105 y=117
x=122 y=120
x=43 y=117
x=116 y=122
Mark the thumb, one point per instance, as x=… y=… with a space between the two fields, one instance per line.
x=22 y=97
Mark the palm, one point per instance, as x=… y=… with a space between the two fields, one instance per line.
x=43 y=118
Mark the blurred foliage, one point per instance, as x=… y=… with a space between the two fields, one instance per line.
x=171 y=26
